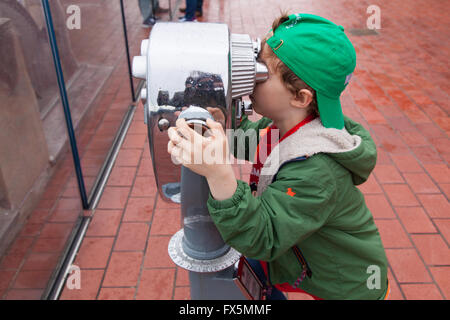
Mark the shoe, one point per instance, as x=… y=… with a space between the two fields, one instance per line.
x=183 y=19
x=198 y=13
x=150 y=21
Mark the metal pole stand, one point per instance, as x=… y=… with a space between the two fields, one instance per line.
x=199 y=248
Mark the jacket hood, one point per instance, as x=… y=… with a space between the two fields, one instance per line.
x=352 y=147
x=361 y=160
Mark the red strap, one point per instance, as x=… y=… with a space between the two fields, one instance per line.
x=267 y=145
x=254 y=179
x=285 y=287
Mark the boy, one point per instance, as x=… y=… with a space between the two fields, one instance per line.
x=304 y=225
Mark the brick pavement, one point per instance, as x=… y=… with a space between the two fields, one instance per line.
x=399 y=92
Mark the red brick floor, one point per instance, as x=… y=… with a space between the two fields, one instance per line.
x=399 y=91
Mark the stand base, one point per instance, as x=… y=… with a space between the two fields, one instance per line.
x=180 y=258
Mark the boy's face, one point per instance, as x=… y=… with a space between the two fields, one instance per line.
x=271 y=97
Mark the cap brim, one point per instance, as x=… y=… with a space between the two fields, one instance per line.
x=330 y=111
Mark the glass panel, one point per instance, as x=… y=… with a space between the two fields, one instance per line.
x=92 y=50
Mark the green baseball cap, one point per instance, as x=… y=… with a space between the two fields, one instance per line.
x=319 y=53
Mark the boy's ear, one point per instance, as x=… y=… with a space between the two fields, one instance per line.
x=302 y=98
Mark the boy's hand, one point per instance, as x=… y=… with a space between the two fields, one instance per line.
x=205 y=155
x=217 y=114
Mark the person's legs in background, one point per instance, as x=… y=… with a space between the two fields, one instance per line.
x=155 y=4
x=158 y=9
x=191 y=6
x=148 y=8
x=144 y=6
x=199 y=10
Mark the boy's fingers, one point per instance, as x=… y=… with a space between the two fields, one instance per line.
x=215 y=127
x=184 y=129
x=185 y=133
x=174 y=137
x=179 y=135
x=181 y=155
x=175 y=151
x=218 y=115
x=214 y=124
x=213 y=111
x=181 y=122
x=188 y=134
x=176 y=159
x=185 y=146
x=171 y=147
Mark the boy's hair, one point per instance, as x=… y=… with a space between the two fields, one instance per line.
x=290 y=79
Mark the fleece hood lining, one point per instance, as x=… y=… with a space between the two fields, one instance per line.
x=310 y=139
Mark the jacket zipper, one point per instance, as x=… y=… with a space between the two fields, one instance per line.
x=306 y=270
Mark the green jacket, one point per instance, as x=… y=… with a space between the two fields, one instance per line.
x=327 y=218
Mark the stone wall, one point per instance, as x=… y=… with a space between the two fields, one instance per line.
x=23 y=148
